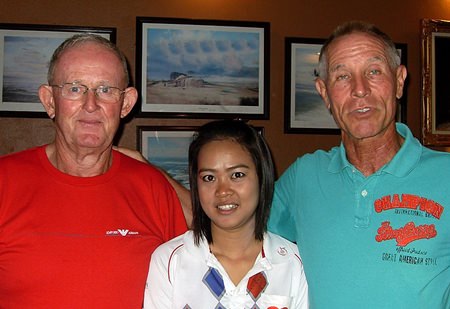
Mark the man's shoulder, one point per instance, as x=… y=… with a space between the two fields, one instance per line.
x=136 y=165
x=139 y=172
x=318 y=156
x=321 y=153
x=21 y=156
x=435 y=156
x=434 y=152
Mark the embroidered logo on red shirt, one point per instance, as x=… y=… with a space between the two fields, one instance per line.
x=121 y=232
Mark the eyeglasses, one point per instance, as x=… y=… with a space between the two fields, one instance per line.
x=75 y=91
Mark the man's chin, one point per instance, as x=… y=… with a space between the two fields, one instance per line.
x=92 y=141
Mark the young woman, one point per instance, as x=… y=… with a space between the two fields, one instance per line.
x=228 y=260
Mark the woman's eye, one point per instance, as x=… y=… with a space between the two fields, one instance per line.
x=208 y=178
x=238 y=175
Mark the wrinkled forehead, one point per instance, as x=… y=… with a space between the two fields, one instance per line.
x=355 y=41
x=356 y=47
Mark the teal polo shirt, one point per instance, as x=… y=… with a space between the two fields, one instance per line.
x=381 y=241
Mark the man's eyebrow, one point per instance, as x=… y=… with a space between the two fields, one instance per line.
x=336 y=67
x=370 y=60
x=378 y=58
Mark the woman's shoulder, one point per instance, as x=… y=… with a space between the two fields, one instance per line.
x=280 y=246
x=172 y=246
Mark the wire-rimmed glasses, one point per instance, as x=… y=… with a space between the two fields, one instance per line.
x=76 y=91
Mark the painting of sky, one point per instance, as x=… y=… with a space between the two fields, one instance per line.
x=25 y=66
x=205 y=53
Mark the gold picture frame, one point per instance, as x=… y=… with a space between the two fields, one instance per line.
x=435 y=39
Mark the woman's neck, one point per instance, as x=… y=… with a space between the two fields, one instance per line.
x=237 y=252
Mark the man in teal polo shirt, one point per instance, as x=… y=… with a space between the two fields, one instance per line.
x=371 y=217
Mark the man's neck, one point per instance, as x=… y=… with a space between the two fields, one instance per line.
x=370 y=154
x=81 y=163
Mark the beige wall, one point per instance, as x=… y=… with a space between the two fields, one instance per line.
x=295 y=18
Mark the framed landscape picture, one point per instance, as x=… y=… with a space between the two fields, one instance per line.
x=304 y=109
x=202 y=68
x=25 y=51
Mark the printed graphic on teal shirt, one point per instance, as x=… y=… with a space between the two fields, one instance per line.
x=415 y=206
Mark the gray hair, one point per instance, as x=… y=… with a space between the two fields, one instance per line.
x=358 y=27
x=79 y=39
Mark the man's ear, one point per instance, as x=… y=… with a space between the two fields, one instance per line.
x=401 y=77
x=46 y=96
x=322 y=90
x=129 y=100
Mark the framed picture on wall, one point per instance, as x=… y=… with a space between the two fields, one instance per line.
x=202 y=68
x=25 y=52
x=435 y=81
x=304 y=110
x=167 y=147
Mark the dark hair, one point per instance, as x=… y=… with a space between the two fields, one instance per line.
x=254 y=143
x=79 y=39
x=358 y=27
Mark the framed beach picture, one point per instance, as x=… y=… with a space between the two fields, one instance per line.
x=202 y=68
x=167 y=148
x=25 y=52
x=304 y=110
